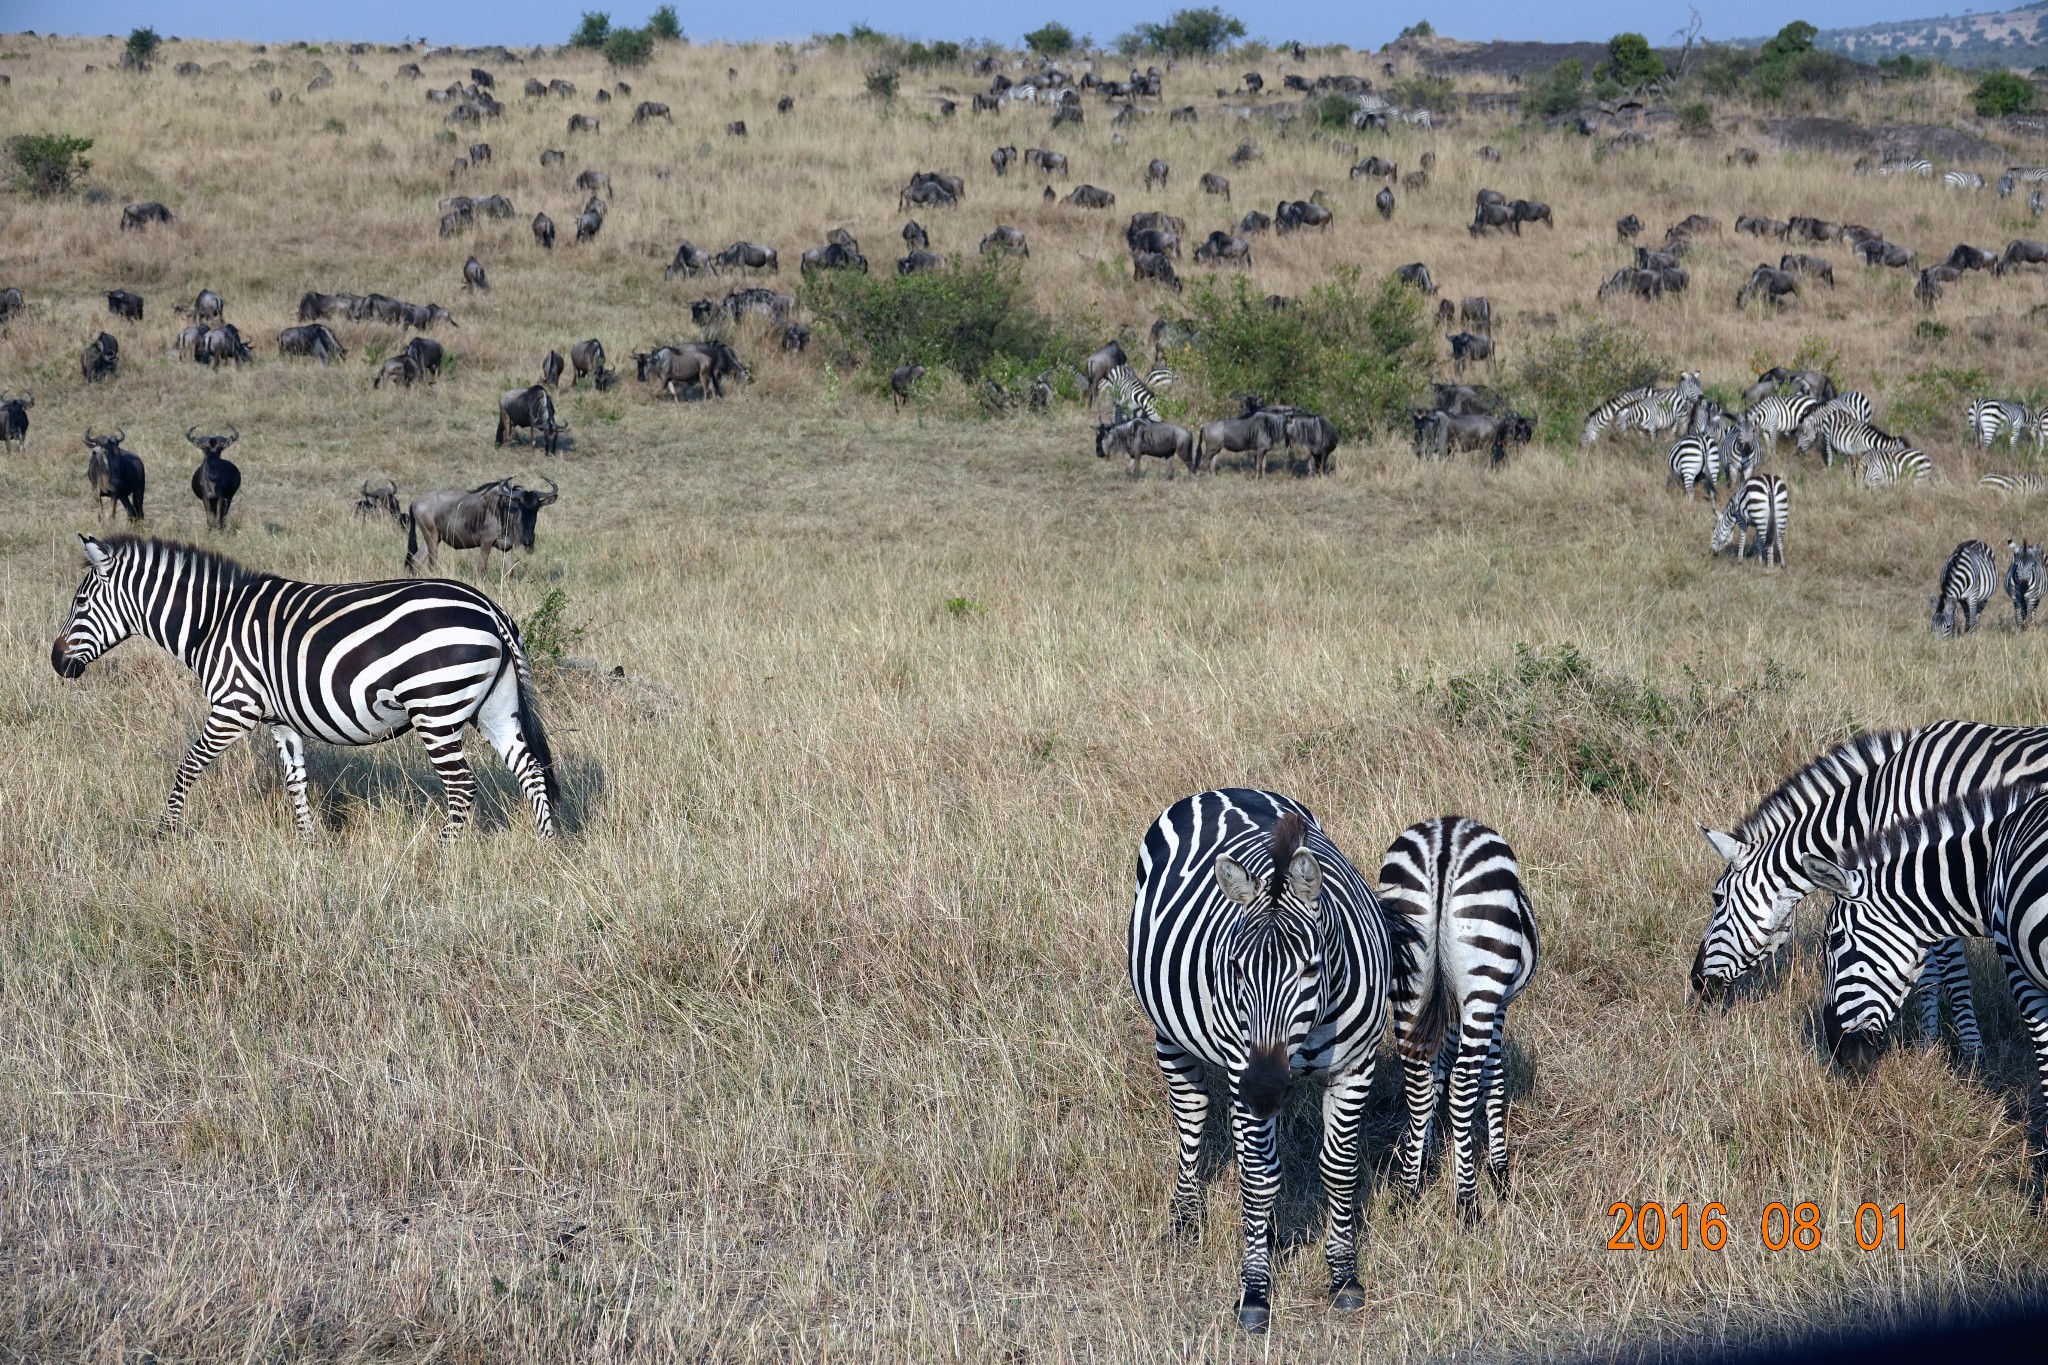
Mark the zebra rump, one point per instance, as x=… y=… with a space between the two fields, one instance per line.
x=1967 y=582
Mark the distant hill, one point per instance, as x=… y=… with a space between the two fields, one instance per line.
x=2015 y=38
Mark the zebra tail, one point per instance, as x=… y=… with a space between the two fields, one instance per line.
x=1432 y=1020
x=531 y=729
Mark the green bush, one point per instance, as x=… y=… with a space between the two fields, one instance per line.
x=1360 y=355
x=2001 y=93
x=664 y=25
x=547 y=636
x=1906 y=67
x=1791 y=40
x=1696 y=119
x=1561 y=92
x=939 y=53
x=1188 y=33
x=592 y=32
x=1568 y=374
x=1334 y=111
x=882 y=82
x=142 y=45
x=48 y=163
x=1420 y=29
x=628 y=46
x=866 y=35
x=976 y=321
x=1053 y=40
x=1630 y=63
x=1435 y=93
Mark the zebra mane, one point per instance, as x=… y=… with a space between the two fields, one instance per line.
x=1288 y=835
x=1845 y=764
x=1972 y=810
x=223 y=569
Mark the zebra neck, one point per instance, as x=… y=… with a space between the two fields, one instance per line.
x=183 y=611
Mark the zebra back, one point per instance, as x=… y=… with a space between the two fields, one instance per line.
x=1133 y=397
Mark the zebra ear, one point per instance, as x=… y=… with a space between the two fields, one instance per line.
x=1728 y=846
x=1234 y=882
x=1831 y=876
x=96 y=555
x=1305 y=877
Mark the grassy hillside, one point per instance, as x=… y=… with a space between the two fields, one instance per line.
x=813 y=1035
x=2015 y=38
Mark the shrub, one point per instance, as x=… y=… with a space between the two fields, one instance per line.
x=1420 y=29
x=1561 y=92
x=1906 y=67
x=866 y=35
x=547 y=636
x=1334 y=111
x=1188 y=33
x=664 y=25
x=142 y=45
x=939 y=53
x=1357 y=354
x=2001 y=93
x=592 y=32
x=1435 y=93
x=1568 y=374
x=628 y=46
x=882 y=82
x=1630 y=63
x=1791 y=40
x=48 y=163
x=1053 y=40
x=976 y=321
x=1696 y=119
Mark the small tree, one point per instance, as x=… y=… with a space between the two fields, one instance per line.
x=1421 y=29
x=1191 y=33
x=882 y=82
x=1562 y=90
x=48 y=163
x=142 y=45
x=2001 y=93
x=1053 y=40
x=1791 y=40
x=664 y=25
x=628 y=46
x=595 y=28
x=1630 y=63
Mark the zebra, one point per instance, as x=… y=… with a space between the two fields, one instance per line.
x=1779 y=416
x=2024 y=580
x=1975 y=865
x=1652 y=409
x=1895 y=463
x=1962 y=180
x=2037 y=202
x=1259 y=953
x=1464 y=941
x=1919 y=166
x=2015 y=483
x=1607 y=415
x=1838 y=431
x=347 y=663
x=1137 y=397
x=1967 y=582
x=1760 y=507
x=1697 y=460
x=1990 y=418
x=1851 y=402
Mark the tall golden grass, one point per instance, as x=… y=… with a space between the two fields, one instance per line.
x=813 y=1036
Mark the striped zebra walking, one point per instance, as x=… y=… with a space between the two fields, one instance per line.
x=1895 y=462
x=1464 y=943
x=347 y=663
x=1259 y=954
x=1977 y=866
x=1967 y=582
x=2024 y=580
x=1754 y=520
x=1990 y=418
x=1135 y=397
x=2015 y=483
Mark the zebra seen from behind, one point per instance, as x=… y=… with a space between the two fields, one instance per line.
x=1967 y=582
x=1753 y=520
x=2024 y=580
x=1697 y=460
x=347 y=663
x=1259 y=954
x=1464 y=942
x=1990 y=418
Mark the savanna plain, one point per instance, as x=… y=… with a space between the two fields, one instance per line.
x=812 y=1037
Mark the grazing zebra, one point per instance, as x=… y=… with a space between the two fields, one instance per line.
x=1259 y=953
x=1851 y=402
x=1919 y=166
x=1779 y=416
x=1962 y=180
x=2015 y=483
x=1894 y=463
x=2024 y=580
x=347 y=663
x=1464 y=946
x=1760 y=507
x=1967 y=582
x=1990 y=418
x=1135 y=397
x=1975 y=865
x=1839 y=431
x=1652 y=410
x=1697 y=460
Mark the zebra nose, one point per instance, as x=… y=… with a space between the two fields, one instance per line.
x=1699 y=970
x=1263 y=1088
x=1853 y=1051
x=66 y=666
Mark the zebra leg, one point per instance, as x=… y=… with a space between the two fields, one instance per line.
x=1190 y=1100
x=1927 y=998
x=1418 y=1084
x=1465 y=1079
x=498 y=718
x=222 y=728
x=458 y=783
x=1954 y=959
x=2034 y=1018
x=1343 y=1116
x=1258 y=1175
x=1493 y=1083
x=291 y=750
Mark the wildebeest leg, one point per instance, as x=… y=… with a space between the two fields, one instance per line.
x=222 y=728
x=458 y=783
x=291 y=750
x=498 y=719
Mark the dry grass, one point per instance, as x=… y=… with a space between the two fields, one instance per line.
x=813 y=1037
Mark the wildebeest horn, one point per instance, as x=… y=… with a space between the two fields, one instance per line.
x=190 y=437
x=120 y=435
x=237 y=433
x=366 y=488
x=88 y=433
x=554 y=491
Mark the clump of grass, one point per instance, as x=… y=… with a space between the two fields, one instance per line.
x=546 y=633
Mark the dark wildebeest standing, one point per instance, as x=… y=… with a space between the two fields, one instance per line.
x=220 y=344
x=383 y=500
x=1315 y=436
x=473 y=276
x=1137 y=436
x=1096 y=368
x=1156 y=172
x=689 y=260
x=100 y=358
x=403 y=370
x=142 y=215
x=217 y=480
x=116 y=475
x=1006 y=239
x=1529 y=211
x=1090 y=197
x=1153 y=265
x=1466 y=346
x=1258 y=433
x=902 y=381
x=1417 y=274
x=1769 y=283
x=532 y=409
x=314 y=340
x=207 y=307
x=915 y=237
x=648 y=109
x=1384 y=202
x=551 y=369
x=750 y=256
x=491 y=516
x=14 y=420
x=125 y=305
x=703 y=364
x=918 y=262
x=427 y=354
x=544 y=231
x=587 y=358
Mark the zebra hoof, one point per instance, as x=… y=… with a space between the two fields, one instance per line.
x=1500 y=1180
x=1468 y=1210
x=1349 y=1296
x=1253 y=1315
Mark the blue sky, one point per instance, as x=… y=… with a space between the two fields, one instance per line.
x=532 y=21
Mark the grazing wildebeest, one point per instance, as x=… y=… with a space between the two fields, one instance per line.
x=795 y=336
x=100 y=359
x=831 y=256
x=1156 y=172
x=1049 y=162
x=1213 y=183
x=1221 y=246
x=702 y=364
x=403 y=370
x=115 y=475
x=1001 y=158
x=1245 y=152
x=593 y=182
x=1417 y=274
x=1096 y=368
x=312 y=339
x=1006 y=239
x=1489 y=197
x=1529 y=211
x=1186 y=113
x=766 y=302
x=385 y=500
x=582 y=123
x=1755 y=225
x=551 y=369
x=1628 y=227
x=424 y=315
x=1163 y=240
x=1967 y=257
x=544 y=231
x=1928 y=287
x=751 y=256
x=316 y=307
x=1375 y=167
x=217 y=480
x=492 y=516
x=14 y=420
x=529 y=408
x=1692 y=225
x=915 y=236
x=188 y=341
x=1476 y=312
x=1814 y=267
x=588 y=224
x=689 y=260
x=1384 y=202
x=479 y=153
x=1415 y=180
x=12 y=301
x=902 y=381
x=1647 y=259
x=1090 y=197
x=926 y=194
x=473 y=276
x=427 y=354
x=1491 y=216
x=1152 y=265
x=1875 y=251
x=1446 y=312
x=1257 y=433
x=495 y=206
x=2020 y=251
x=737 y=128
x=206 y=307
x=1138 y=437
x=1254 y=82
x=142 y=215
x=222 y=343
x=785 y=104
x=1299 y=213
x=587 y=358
x=1467 y=346
x=648 y=109
x=123 y=304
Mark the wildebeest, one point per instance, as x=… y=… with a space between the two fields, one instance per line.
x=142 y=215
x=593 y=182
x=317 y=307
x=217 y=480
x=1245 y=152
x=473 y=276
x=313 y=340
x=1487 y=216
x=100 y=359
x=1156 y=172
x=11 y=302
x=1967 y=257
x=551 y=369
x=1162 y=240
x=1090 y=197
x=1213 y=183
x=123 y=304
x=479 y=153
x=14 y=420
x=492 y=516
x=1257 y=433
x=915 y=236
x=588 y=224
x=795 y=336
x=495 y=206
x=750 y=256
x=648 y=109
x=582 y=123
x=1384 y=202
x=1529 y=211
x=1875 y=251
x=403 y=370
x=544 y=231
x=1928 y=287
x=702 y=364
x=385 y=500
x=1813 y=267
x=1467 y=346
x=1476 y=312
x=785 y=104
x=1001 y=158
x=1138 y=437
x=115 y=475
x=926 y=194
x=1299 y=213
x=220 y=344
x=2020 y=251
x=1152 y=265
x=1415 y=180
x=1313 y=435
x=1692 y=225
x=1446 y=432
x=1769 y=283
x=903 y=381
x=1007 y=239
x=1485 y=196
x=1049 y=162
x=1417 y=274
x=917 y=262
x=1375 y=167
x=1096 y=368
x=206 y=307
x=530 y=409
x=689 y=260
x=427 y=354
x=587 y=358
x=737 y=128
x=1221 y=246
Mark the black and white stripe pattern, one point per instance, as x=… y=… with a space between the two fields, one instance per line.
x=2024 y=580
x=1780 y=415
x=1967 y=582
x=1133 y=396
x=2015 y=483
x=1697 y=460
x=1919 y=166
x=347 y=663
x=1894 y=463
x=1990 y=418
x=1464 y=947
x=1962 y=180
x=1649 y=410
x=1754 y=520
x=1839 y=431
x=1259 y=954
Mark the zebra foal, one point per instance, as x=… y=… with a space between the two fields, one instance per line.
x=1464 y=942
x=347 y=663
x=1259 y=954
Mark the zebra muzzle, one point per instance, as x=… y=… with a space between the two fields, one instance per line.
x=1855 y=1051
x=66 y=666
x=1263 y=1087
